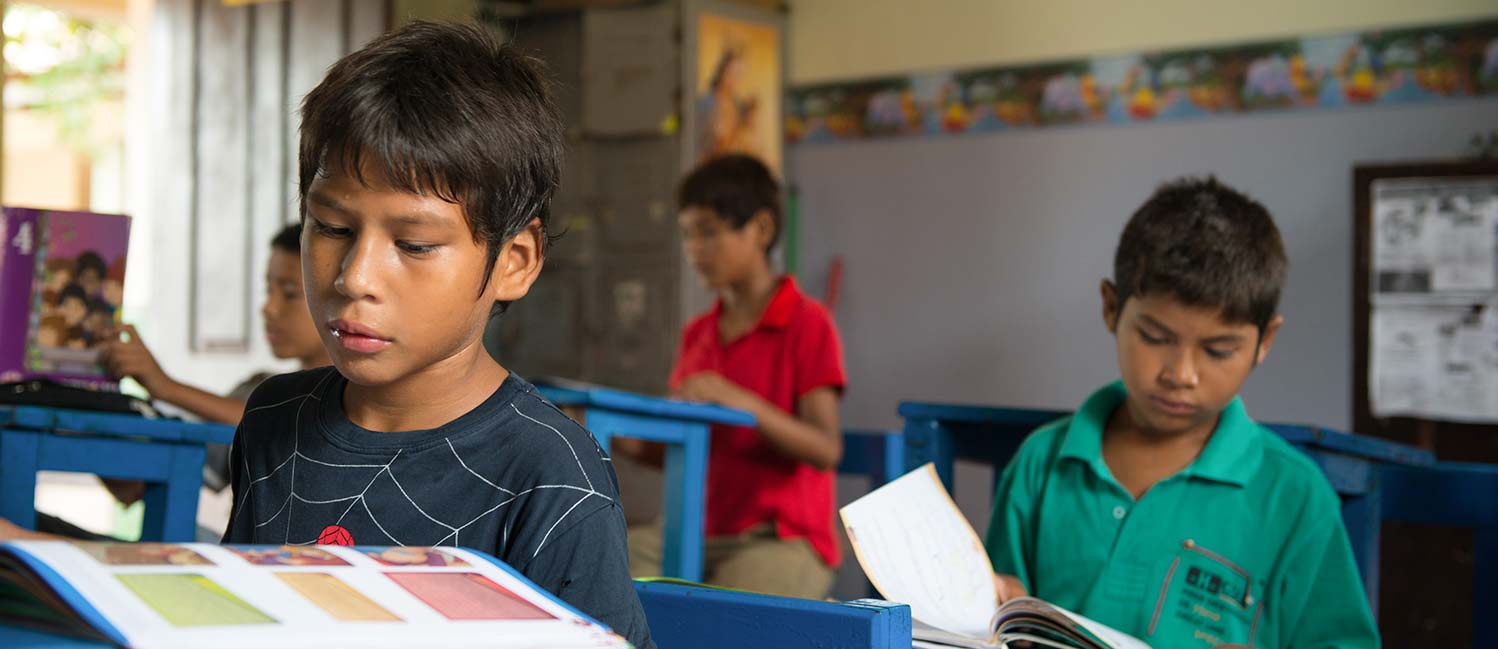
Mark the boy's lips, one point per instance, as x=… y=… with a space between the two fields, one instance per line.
x=355 y=337
x=1173 y=407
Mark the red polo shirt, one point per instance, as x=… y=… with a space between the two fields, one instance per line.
x=793 y=350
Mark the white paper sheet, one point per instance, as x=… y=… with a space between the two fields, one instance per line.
x=1433 y=237
x=1434 y=362
x=917 y=549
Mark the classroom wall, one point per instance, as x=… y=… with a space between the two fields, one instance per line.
x=841 y=39
x=972 y=264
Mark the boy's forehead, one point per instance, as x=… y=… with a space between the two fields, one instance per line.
x=699 y=214
x=350 y=196
x=1171 y=311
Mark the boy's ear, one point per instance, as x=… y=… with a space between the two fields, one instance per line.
x=1110 y=307
x=518 y=264
x=764 y=228
x=1266 y=339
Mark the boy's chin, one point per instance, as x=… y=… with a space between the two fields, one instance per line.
x=366 y=372
x=1166 y=425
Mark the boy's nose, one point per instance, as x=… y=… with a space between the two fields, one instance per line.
x=356 y=277
x=1180 y=372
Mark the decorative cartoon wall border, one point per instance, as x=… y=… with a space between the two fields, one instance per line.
x=1373 y=68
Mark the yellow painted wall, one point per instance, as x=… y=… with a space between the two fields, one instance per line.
x=842 y=39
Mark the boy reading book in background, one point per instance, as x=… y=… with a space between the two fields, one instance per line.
x=768 y=349
x=289 y=332
x=1160 y=508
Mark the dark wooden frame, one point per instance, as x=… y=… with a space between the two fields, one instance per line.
x=1408 y=429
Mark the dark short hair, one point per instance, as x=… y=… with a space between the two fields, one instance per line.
x=736 y=187
x=1206 y=245
x=447 y=110
x=74 y=291
x=289 y=239
x=89 y=259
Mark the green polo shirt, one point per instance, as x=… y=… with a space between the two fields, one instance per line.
x=1244 y=546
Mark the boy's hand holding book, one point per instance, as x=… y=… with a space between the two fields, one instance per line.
x=1008 y=587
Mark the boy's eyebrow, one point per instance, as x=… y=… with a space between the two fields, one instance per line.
x=409 y=218
x=1225 y=338
x=327 y=201
x=418 y=218
x=1156 y=324
x=1214 y=340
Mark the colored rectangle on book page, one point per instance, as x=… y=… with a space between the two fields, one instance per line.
x=403 y=556
x=467 y=596
x=143 y=554
x=336 y=598
x=286 y=555
x=192 y=600
x=916 y=548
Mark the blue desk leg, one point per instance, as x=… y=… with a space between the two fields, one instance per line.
x=894 y=459
x=1363 y=518
x=172 y=507
x=686 y=464
x=926 y=440
x=18 y=466
x=1485 y=588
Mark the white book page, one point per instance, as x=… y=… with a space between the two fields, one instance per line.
x=197 y=595
x=917 y=549
x=1113 y=637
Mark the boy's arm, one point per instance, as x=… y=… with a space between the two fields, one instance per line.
x=812 y=434
x=1321 y=599
x=127 y=355
x=813 y=437
x=11 y=532
x=1011 y=528
x=211 y=407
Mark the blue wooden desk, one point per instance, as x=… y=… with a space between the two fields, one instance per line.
x=878 y=454
x=692 y=617
x=685 y=428
x=1456 y=494
x=166 y=455
x=941 y=433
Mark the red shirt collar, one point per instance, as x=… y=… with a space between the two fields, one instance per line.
x=780 y=309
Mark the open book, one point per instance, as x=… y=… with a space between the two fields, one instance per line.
x=148 y=595
x=916 y=548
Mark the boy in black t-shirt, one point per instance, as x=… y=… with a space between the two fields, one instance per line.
x=428 y=161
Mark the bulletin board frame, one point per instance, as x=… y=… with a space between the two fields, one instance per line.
x=1459 y=440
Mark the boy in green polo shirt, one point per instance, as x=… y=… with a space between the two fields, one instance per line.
x=1160 y=508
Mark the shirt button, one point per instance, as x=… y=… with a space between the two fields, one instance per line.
x=1119 y=512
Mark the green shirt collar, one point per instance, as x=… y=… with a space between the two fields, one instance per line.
x=1232 y=454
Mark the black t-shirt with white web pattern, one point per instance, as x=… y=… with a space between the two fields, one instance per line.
x=514 y=477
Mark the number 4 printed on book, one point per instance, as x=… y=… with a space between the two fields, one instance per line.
x=23 y=239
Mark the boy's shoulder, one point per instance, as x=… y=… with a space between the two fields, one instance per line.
x=1046 y=440
x=1287 y=471
x=289 y=390
x=1037 y=454
x=549 y=445
x=790 y=307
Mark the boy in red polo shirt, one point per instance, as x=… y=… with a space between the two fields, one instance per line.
x=768 y=349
